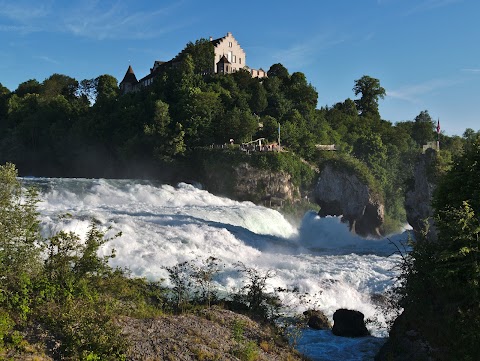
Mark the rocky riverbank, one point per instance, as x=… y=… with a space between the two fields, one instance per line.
x=209 y=334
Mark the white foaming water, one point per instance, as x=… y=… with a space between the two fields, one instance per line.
x=163 y=225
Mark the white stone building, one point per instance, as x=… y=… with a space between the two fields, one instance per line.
x=229 y=57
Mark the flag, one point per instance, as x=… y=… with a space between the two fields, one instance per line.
x=438 y=126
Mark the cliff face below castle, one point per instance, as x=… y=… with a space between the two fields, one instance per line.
x=341 y=193
x=418 y=198
x=245 y=182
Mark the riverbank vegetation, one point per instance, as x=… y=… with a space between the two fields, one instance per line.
x=439 y=288
x=60 y=299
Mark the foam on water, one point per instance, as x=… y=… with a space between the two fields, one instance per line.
x=163 y=225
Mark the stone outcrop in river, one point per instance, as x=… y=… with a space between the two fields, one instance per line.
x=340 y=192
x=247 y=183
x=419 y=196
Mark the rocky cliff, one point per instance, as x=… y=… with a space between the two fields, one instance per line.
x=419 y=196
x=245 y=182
x=340 y=192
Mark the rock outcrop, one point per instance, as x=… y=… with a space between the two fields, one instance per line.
x=208 y=335
x=317 y=320
x=419 y=196
x=247 y=183
x=341 y=193
x=405 y=344
x=349 y=323
x=270 y=186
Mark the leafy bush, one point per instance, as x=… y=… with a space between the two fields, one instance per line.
x=254 y=293
x=6 y=326
x=19 y=242
x=446 y=314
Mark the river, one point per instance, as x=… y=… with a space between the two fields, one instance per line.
x=163 y=225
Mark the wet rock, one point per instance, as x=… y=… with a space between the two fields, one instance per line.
x=349 y=323
x=405 y=343
x=317 y=320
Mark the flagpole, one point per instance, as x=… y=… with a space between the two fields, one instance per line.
x=438 y=134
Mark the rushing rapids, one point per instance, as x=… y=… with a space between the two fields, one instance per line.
x=163 y=225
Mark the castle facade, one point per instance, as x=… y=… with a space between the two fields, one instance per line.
x=229 y=57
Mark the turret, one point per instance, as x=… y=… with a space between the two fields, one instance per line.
x=129 y=81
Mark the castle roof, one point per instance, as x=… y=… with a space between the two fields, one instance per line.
x=215 y=42
x=224 y=60
x=129 y=76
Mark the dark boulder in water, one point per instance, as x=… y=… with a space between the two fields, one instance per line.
x=349 y=323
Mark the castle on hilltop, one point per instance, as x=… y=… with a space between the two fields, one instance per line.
x=229 y=57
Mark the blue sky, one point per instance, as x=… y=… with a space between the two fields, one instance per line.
x=426 y=53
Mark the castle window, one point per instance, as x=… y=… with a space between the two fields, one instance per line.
x=234 y=58
x=230 y=44
x=240 y=60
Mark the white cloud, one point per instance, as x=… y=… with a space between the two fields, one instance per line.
x=24 y=11
x=118 y=21
x=92 y=19
x=472 y=70
x=47 y=59
x=427 y=5
x=412 y=93
x=302 y=54
x=22 y=29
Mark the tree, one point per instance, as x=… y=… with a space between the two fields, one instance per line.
x=370 y=148
x=423 y=129
x=203 y=55
x=59 y=84
x=4 y=95
x=470 y=135
x=279 y=71
x=19 y=237
x=269 y=128
x=258 y=99
x=371 y=91
x=303 y=96
x=446 y=314
x=278 y=104
x=31 y=86
x=106 y=89
x=465 y=172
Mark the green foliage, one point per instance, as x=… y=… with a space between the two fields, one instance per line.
x=193 y=282
x=75 y=294
x=247 y=351
x=371 y=91
x=202 y=54
x=19 y=236
x=180 y=276
x=85 y=327
x=6 y=326
x=254 y=293
x=244 y=350
x=448 y=315
x=203 y=275
x=423 y=130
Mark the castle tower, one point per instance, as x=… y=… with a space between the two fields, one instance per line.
x=229 y=48
x=224 y=66
x=129 y=81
